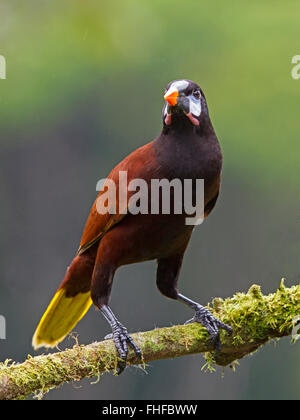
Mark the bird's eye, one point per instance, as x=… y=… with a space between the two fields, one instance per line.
x=197 y=94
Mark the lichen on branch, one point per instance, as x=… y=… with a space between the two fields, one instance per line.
x=255 y=319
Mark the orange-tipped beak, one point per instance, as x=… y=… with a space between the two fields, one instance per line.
x=171 y=97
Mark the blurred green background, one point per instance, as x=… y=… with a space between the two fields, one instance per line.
x=84 y=88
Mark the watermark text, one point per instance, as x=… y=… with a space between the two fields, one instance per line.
x=2 y=67
x=155 y=196
x=296 y=328
x=2 y=328
x=296 y=68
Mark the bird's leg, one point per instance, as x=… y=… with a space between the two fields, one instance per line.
x=120 y=336
x=204 y=317
x=101 y=285
x=167 y=275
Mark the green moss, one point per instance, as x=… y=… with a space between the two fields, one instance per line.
x=210 y=362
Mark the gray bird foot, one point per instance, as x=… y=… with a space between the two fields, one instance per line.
x=204 y=317
x=122 y=339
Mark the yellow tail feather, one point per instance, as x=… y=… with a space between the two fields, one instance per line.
x=60 y=318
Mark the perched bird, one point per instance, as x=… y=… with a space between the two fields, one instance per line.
x=187 y=148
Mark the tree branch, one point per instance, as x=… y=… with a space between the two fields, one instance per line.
x=255 y=319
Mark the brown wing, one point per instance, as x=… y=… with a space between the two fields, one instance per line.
x=139 y=164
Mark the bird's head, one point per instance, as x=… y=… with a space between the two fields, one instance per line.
x=184 y=99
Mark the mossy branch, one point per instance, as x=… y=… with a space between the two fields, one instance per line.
x=254 y=317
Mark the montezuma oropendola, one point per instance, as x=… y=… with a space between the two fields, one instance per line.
x=187 y=148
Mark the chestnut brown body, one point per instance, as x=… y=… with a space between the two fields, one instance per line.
x=187 y=148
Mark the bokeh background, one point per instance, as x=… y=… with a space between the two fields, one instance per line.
x=84 y=88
